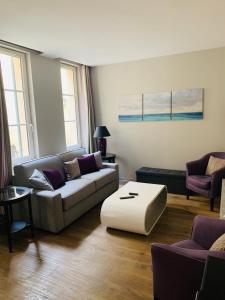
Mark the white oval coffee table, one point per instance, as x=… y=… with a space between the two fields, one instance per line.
x=138 y=214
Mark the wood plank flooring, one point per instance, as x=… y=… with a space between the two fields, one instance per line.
x=88 y=262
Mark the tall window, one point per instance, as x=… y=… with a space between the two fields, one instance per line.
x=16 y=95
x=70 y=104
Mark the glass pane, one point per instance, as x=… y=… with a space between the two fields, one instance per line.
x=18 y=73
x=24 y=140
x=11 y=107
x=71 y=133
x=21 y=108
x=67 y=81
x=7 y=71
x=69 y=108
x=14 y=141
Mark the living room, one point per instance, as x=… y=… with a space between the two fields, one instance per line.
x=141 y=85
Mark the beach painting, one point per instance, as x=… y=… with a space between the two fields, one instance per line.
x=130 y=108
x=187 y=104
x=157 y=106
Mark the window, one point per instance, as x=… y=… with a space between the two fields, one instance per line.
x=70 y=104
x=16 y=95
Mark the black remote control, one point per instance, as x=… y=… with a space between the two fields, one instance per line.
x=133 y=194
x=127 y=197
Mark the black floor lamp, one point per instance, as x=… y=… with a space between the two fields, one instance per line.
x=100 y=133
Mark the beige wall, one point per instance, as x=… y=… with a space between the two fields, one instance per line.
x=167 y=144
x=45 y=76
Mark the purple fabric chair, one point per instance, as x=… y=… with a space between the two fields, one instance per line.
x=178 y=268
x=197 y=181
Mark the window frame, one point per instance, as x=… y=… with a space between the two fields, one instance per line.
x=76 y=99
x=23 y=56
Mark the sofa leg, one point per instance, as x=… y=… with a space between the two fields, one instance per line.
x=188 y=194
x=211 y=204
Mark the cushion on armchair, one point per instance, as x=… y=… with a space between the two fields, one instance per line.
x=219 y=244
x=201 y=181
x=214 y=165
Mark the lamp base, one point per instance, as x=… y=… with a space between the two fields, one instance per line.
x=102 y=144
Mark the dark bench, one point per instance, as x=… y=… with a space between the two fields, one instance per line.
x=173 y=179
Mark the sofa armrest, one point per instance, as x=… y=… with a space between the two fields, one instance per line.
x=114 y=166
x=47 y=210
x=207 y=230
x=177 y=272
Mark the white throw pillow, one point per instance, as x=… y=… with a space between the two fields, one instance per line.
x=39 y=181
x=72 y=169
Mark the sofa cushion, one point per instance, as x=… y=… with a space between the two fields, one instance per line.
x=70 y=155
x=54 y=177
x=201 y=181
x=24 y=171
x=72 y=169
x=101 y=177
x=87 y=164
x=40 y=182
x=74 y=191
x=98 y=158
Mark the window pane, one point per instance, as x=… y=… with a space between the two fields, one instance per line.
x=24 y=140
x=14 y=141
x=67 y=80
x=18 y=71
x=11 y=107
x=7 y=71
x=21 y=108
x=71 y=133
x=69 y=108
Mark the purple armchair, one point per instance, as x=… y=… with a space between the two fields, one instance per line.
x=197 y=181
x=178 y=268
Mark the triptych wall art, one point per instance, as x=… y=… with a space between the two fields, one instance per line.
x=174 y=105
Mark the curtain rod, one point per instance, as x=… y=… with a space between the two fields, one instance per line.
x=13 y=46
x=69 y=62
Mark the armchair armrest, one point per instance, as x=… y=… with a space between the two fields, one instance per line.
x=216 y=182
x=197 y=167
x=207 y=230
x=177 y=272
x=47 y=210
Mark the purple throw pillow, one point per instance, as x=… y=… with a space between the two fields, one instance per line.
x=87 y=164
x=54 y=177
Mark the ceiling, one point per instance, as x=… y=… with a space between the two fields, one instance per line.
x=96 y=32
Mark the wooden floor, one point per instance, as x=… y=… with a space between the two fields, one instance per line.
x=86 y=262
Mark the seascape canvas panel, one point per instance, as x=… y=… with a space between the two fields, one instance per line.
x=187 y=104
x=130 y=108
x=157 y=106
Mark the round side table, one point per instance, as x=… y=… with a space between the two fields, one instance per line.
x=8 y=197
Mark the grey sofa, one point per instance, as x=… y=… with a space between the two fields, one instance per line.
x=54 y=210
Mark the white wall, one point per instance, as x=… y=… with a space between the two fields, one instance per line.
x=45 y=73
x=165 y=144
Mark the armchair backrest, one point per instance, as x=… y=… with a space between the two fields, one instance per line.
x=217 y=154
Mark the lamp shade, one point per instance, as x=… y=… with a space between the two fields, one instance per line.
x=101 y=131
